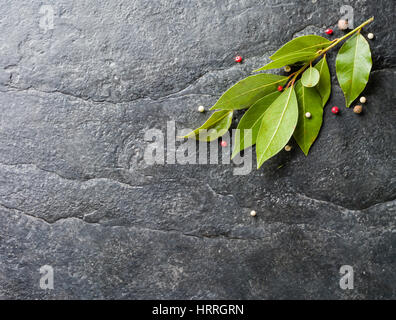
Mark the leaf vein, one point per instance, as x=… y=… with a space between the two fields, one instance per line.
x=278 y=125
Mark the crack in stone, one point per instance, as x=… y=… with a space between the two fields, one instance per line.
x=390 y=68
x=92 y=100
x=174 y=231
x=302 y=29
x=191 y=234
x=25 y=213
x=34 y=166
x=341 y=207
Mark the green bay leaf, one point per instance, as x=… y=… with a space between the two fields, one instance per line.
x=216 y=126
x=277 y=126
x=353 y=66
x=309 y=43
x=293 y=58
x=251 y=120
x=308 y=129
x=324 y=85
x=247 y=91
x=310 y=77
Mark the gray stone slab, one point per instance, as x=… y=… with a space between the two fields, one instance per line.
x=77 y=194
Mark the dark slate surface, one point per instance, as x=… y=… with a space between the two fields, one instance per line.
x=76 y=193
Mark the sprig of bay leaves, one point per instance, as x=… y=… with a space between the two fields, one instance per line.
x=273 y=117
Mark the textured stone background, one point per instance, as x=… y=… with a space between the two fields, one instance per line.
x=76 y=193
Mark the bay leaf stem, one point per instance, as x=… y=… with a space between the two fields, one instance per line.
x=321 y=52
x=337 y=41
